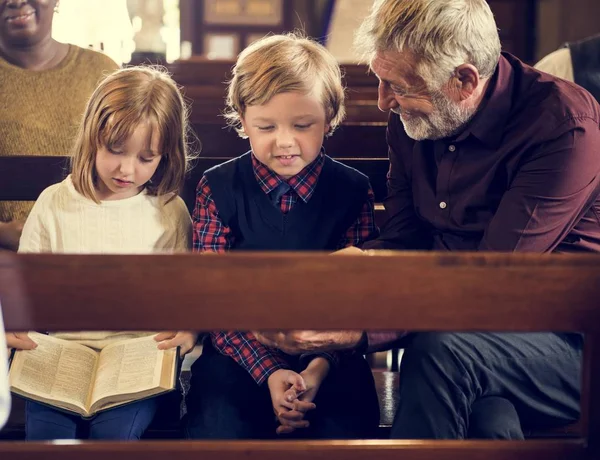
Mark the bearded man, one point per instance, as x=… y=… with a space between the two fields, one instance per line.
x=486 y=154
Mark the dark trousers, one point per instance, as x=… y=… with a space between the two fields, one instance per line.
x=224 y=402
x=454 y=386
x=128 y=422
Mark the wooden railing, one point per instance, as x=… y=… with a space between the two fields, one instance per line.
x=443 y=292
x=204 y=84
x=23 y=178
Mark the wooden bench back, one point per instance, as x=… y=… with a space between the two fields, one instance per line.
x=444 y=292
x=348 y=141
x=23 y=178
x=204 y=83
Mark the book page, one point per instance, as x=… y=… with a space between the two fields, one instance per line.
x=128 y=367
x=55 y=371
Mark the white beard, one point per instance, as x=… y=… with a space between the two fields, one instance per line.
x=446 y=119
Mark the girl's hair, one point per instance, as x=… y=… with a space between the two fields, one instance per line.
x=122 y=101
x=282 y=63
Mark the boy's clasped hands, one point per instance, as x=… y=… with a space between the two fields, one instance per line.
x=292 y=394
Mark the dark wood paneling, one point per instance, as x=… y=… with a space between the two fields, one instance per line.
x=204 y=84
x=42 y=172
x=516 y=20
x=431 y=291
x=197 y=29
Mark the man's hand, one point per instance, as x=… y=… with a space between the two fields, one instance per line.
x=349 y=251
x=10 y=234
x=313 y=376
x=171 y=339
x=20 y=341
x=279 y=383
x=298 y=342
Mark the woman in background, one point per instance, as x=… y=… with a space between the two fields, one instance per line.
x=45 y=86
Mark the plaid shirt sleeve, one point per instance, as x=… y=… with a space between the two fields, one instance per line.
x=210 y=234
x=364 y=228
x=259 y=360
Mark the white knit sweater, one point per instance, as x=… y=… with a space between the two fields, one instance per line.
x=64 y=221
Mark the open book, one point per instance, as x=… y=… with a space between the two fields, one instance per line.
x=78 y=379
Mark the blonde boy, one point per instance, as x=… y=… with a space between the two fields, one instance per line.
x=286 y=95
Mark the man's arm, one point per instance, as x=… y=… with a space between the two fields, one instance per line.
x=403 y=229
x=550 y=193
x=381 y=340
x=298 y=342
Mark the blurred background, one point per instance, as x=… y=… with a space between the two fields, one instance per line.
x=168 y=30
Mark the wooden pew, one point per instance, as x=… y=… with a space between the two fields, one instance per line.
x=204 y=85
x=348 y=141
x=473 y=292
x=23 y=178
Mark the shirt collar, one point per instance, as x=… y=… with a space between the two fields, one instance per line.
x=303 y=183
x=489 y=122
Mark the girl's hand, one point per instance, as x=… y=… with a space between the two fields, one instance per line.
x=171 y=339
x=20 y=341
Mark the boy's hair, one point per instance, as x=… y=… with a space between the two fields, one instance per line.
x=122 y=101
x=281 y=63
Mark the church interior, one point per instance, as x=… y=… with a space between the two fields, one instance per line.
x=197 y=43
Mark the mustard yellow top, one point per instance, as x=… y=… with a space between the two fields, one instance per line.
x=40 y=110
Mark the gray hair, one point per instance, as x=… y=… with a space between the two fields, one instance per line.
x=442 y=34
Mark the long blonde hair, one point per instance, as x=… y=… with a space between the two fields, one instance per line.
x=122 y=101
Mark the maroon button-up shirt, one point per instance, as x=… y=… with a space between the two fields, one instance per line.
x=524 y=175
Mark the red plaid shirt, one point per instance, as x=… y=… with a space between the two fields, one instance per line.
x=212 y=235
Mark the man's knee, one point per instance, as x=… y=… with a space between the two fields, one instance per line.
x=435 y=342
x=494 y=417
x=438 y=348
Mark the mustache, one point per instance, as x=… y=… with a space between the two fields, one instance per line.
x=400 y=112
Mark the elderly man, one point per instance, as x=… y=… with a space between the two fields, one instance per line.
x=486 y=154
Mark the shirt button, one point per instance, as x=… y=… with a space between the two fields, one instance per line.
x=452 y=148
x=443 y=204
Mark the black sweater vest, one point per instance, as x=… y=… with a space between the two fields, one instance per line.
x=585 y=56
x=258 y=224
